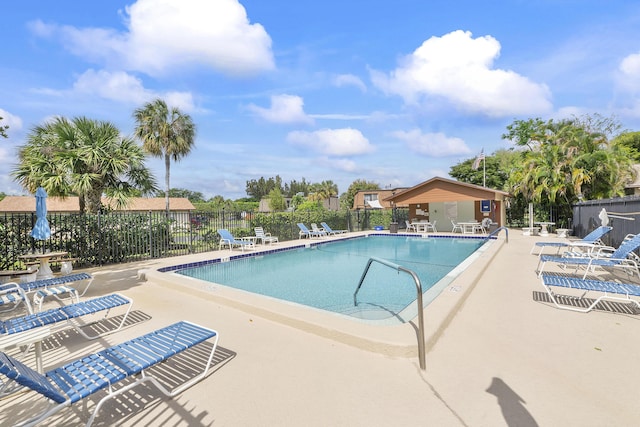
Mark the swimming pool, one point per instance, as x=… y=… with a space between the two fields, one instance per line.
x=324 y=275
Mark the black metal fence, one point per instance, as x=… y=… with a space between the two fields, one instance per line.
x=623 y=214
x=117 y=237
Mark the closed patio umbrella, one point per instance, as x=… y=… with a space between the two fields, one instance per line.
x=41 y=230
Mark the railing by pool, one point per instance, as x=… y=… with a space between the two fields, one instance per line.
x=416 y=279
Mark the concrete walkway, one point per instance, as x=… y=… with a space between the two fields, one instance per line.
x=504 y=359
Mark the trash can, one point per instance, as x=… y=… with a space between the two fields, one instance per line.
x=493 y=227
x=393 y=227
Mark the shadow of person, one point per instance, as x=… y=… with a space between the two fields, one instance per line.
x=512 y=405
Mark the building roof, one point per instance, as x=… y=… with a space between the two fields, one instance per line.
x=439 y=189
x=18 y=204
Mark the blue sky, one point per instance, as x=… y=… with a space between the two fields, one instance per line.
x=391 y=92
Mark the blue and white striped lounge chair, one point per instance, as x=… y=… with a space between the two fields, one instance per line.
x=622 y=257
x=227 y=239
x=609 y=290
x=62 y=317
x=593 y=238
x=264 y=237
x=305 y=232
x=319 y=231
x=106 y=369
x=329 y=230
x=41 y=289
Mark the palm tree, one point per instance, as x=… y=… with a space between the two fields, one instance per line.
x=165 y=133
x=83 y=157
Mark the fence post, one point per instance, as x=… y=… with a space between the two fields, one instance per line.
x=150 y=236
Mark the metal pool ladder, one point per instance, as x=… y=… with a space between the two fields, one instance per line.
x=416 y=279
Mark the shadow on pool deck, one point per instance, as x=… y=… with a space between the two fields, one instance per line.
x=506 y=357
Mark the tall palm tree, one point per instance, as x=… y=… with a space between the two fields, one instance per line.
x=83 y=157
x=165 y=133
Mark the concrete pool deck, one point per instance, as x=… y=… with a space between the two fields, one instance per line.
x=497 y=354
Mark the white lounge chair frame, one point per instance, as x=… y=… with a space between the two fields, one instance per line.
x=264 y=237
x=609 y=290
x=74 y=381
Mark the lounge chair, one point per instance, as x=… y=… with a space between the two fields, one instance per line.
x=591 y=239
x=410 y=227
x=318 y=230
x=41 y=289
x=62 y=317
x=305 y=232
x=456 y=226
x=226 y=238
x=107 y=369
x=622 y=257
x=608 y=290
x=329 y=230
x=264 y=237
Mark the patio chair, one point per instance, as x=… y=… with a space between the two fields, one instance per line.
x=41 y=289
x=329 y=230
x=608 y=290
x=106 y=370
x=622 y=257
x=456 y=226
x=588 y=241
x=226 y=238
x=264 y=237
x=320 y=232
x=431 y=225
x=65 y=316
x=305 y=232
x=410 y=227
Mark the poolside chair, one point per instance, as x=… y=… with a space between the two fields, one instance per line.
x=591 y=239
x=456 y=226
x=431 y=226
x=125 y=364
x=305 y=232
x=318 y=230
x=41 y=289
x=329 y=230
x=65 y=316
x=410 y=227
x=608 y=290
x=622 y=257
x=264 y=237
x=226 y=238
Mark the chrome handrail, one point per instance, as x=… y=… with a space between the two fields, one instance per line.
x=416 y=279
x=497 y=230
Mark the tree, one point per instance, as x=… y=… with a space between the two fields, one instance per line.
x=631 y=140
x=323 y=190
x=258 y=189
x=497 y=167
x=165 y=133
x=3 y=129
x=83 y=157
x=346 y=199
x=569 y=160
x=276 y=200
x=193 y=196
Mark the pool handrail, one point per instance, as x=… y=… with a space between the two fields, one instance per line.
x=497 y=230
x=416 y=279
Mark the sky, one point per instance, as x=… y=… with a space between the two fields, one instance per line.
x=393 y=92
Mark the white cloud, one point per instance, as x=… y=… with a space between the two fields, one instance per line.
x=349 y=80
x=432 y=144
x=333 y=142
x=163 y=35
x=629 y=72
x=284 y=109
x=458 y=68
x=8 y=119
x=123 y=87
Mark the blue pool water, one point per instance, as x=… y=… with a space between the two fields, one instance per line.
x=326 y=275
